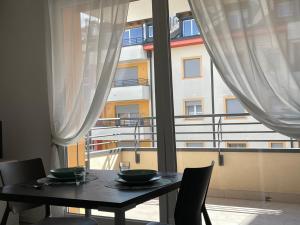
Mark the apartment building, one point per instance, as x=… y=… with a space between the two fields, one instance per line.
x=197 y=88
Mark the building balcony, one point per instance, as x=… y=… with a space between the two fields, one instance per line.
x=255 y=185
x=130 y=82
x=129 y=90
x=133 y=52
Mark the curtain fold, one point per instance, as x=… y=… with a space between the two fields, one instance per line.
x=255 y=45
x=86 y=37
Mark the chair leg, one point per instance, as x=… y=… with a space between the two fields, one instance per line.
x=205 y=215
x=5 y=216
x=47 y=211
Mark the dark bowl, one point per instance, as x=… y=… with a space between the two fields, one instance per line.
x=138 y=175
x=66 y=172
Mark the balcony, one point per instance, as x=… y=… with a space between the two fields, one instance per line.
x=251 y=186
x=132 y=89
x=133 y=52
x=130 y=82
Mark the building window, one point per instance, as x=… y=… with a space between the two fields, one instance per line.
x=233 y=106
x=194 y=144
x=133 y=36
x=189 y=28
x=234 y=19
x=127 y=76
x=193 y=108
x=128 y=144
x=127 y=111
x=236 y=145
x=284 y=9
x=127 y=114
x=192 y=68
x=150 y=31
x=294 y=51
x=277 y=145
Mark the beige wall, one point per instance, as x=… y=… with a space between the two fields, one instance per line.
x=142 y=9
x=103 y=162
x=244 y=175
x=23 y=81
x=267 y=172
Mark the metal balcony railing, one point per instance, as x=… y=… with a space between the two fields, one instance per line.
x=233 y=128
x=132 y=41
x=130 y=82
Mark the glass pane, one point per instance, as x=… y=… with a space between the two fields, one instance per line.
x=198 y=109
x=294 y=56
x=125 y=123
x=243 y=178
x=277 y=145
x=136 y=35
x=234 y=19
x=150 y=31
x=187 y=28
x=195 y=144
x=189 y=110
x=127 y=76
x=236 y=145
x=127 y=111
x=234 y=106
x=192 y=68
x=193 y=107
x=126 y=38
x=284 y=9
x=195 y=28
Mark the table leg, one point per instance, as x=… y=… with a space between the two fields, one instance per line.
x=88 y=212
x=120 y=217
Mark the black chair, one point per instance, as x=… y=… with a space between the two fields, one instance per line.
x=17 y=172
x=191 y=197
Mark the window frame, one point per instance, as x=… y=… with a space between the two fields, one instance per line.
x=148 y=31
x=201 y=100
x=276 y=142
x=226 y=108
x=128 y=29
x=190 y=19
x=236 y=142
x=126 y=68
x=183 y=77
x=278 y=6
x=188 y=142
x=124 y=105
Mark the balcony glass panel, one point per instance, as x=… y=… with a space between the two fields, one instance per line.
x=133 y=36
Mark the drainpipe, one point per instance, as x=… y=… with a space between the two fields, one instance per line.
x=220 y=155
x=149 y=56
x=212 y=88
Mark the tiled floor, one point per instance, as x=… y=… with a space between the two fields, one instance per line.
x=246 y=212
x=233 y=212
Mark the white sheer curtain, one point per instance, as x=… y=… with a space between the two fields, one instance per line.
x=255 y=45
x=86 y=38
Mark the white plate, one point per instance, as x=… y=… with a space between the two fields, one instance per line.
x=51 y=177
x=120 y=180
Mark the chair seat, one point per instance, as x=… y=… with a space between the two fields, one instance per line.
x=157 y=223
x=67 y=221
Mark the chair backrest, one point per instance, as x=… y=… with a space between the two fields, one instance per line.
x=192 y=195
x=18 y=172
x=1 y=147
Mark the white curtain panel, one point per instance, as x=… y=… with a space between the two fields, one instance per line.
x=255 y=45
x=86 y=38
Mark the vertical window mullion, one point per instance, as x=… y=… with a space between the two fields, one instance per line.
x=166 y=141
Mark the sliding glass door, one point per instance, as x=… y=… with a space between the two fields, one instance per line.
x=136 y=125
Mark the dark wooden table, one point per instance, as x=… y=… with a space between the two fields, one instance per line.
x=92 y=195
